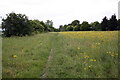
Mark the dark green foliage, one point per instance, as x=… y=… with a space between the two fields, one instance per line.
x=38 y=26
x=49 y=26
x=77 y=28
x=16 y=25
x=63 y=28
x=75 y=23
x=85 y=26
x=56 y=30
x=19 y=25
x=118 y=22
x=70 y=28
x=95 y=26
x=112 y=24
x=104 y=24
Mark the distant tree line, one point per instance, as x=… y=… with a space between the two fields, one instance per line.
x=106 y=25
x=19 y=25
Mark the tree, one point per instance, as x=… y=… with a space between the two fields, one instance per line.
x=77 y=28
x=38 y=26
x=112 y=24
x=49 y=25
x=85 y=26
x=104 y=24
x=63 y=28
x=69 y=28
x=16 y=25
x=75 y=23
x=56 y=30
x=118 y=22
x=95 y=26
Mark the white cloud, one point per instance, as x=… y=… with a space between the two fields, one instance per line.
x=61 y=11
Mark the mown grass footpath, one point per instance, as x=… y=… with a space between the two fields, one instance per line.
x=89 y=54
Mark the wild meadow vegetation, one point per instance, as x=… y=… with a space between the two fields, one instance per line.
x=84 y=54
x=36 y=49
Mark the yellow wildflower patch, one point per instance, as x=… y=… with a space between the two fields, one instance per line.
x=94 y=60
x=14 y=56
x=86 y=56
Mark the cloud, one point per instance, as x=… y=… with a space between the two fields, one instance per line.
x=61 y=11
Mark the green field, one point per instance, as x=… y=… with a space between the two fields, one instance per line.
x=92 y=54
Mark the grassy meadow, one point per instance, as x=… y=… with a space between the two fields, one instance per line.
x=88 y=54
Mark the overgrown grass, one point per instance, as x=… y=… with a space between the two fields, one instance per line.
x=86 y=55
x=74 y=55
x=31 y=56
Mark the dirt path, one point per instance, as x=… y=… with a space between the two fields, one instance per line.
x=47 y=65
x=54 y=44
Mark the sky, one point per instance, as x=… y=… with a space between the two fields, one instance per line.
x=61 y=12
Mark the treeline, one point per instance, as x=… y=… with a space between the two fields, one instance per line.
x=19 y=25
x=106 y=25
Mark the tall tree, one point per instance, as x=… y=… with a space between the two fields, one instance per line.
x=95 y=26
x=69 y=28
x=38 y=26
x=85 y=26
x=112 y=24
x=75 y=23
x=49 y=25
x=77 y=28
x=61 y=28
x=118 y=27
x=16 y=25
x=104 y=24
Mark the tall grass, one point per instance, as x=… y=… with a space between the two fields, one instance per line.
x=85 y=55
x=25 y=57
x=72 y=55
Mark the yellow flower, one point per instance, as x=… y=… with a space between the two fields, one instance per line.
x=91 y=59
x=98 y=43
x=89 y=66
x=112 y=55
x=86 y=56
x=94 y=60
x=107 y=52
x=14 y=56
x=78 y=48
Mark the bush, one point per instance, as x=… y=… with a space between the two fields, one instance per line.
x=16 y=25
x=38 y=26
